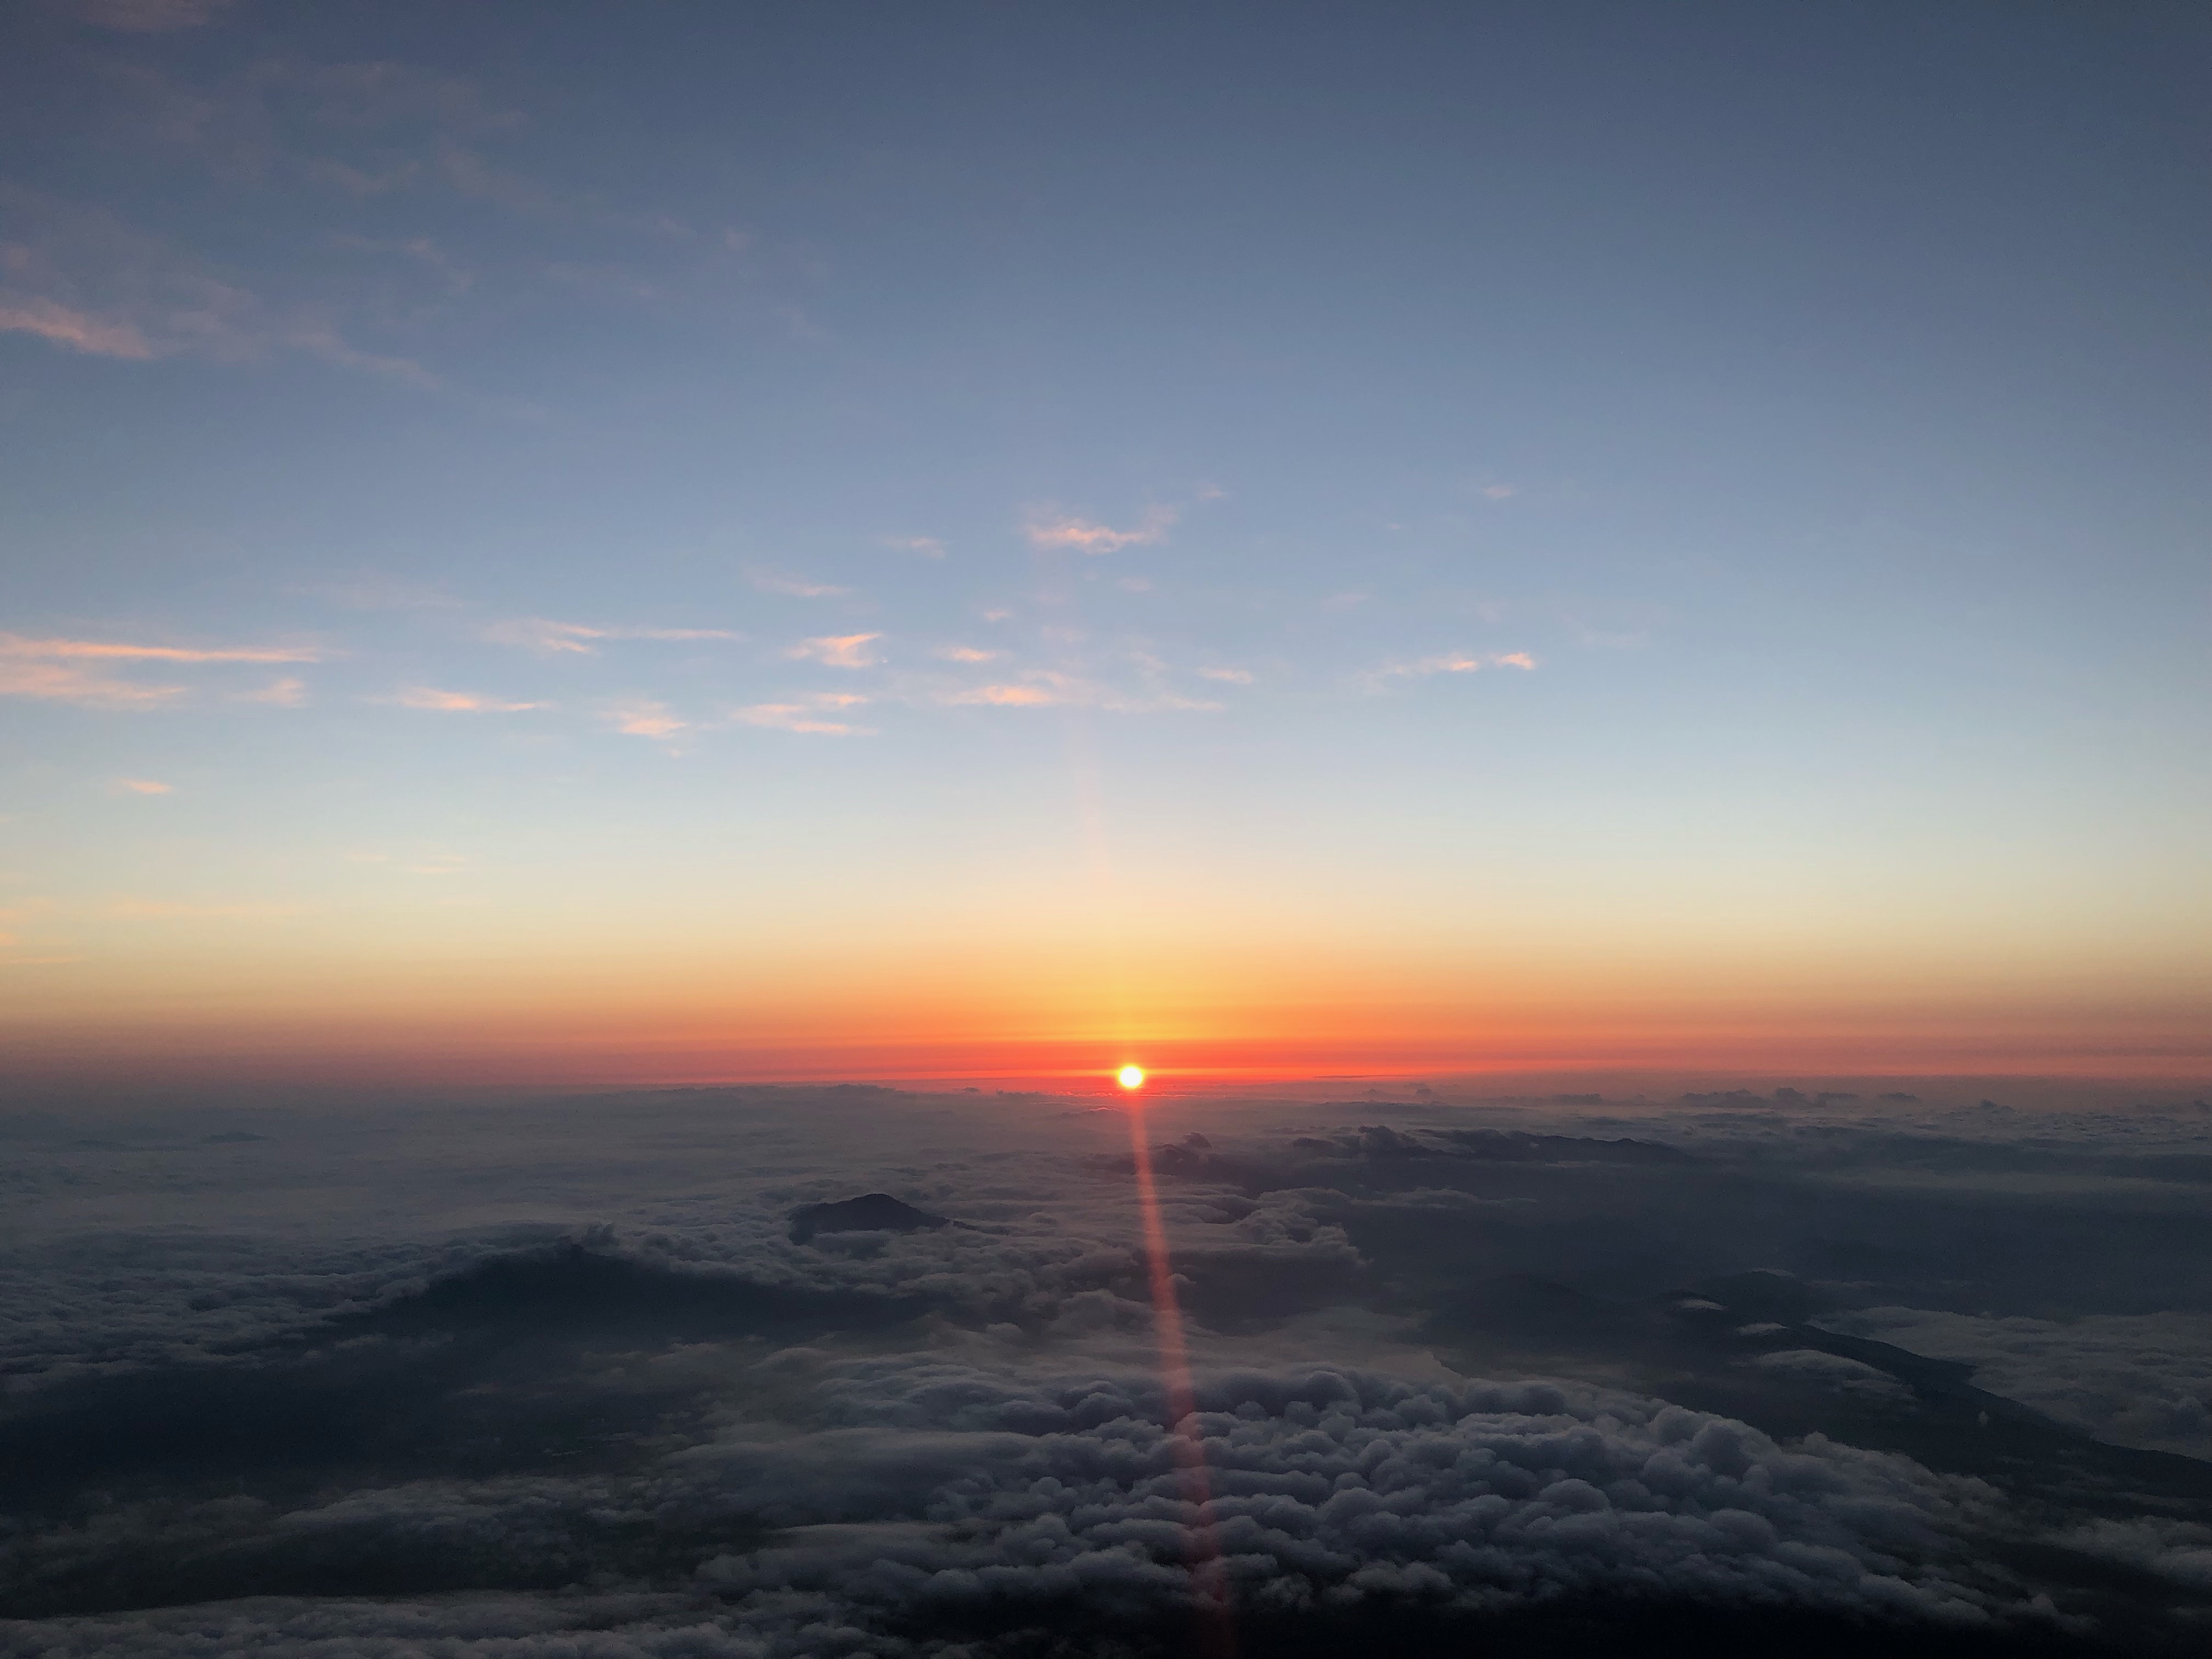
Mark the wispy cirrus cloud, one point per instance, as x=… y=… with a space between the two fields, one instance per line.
x=811 y=716
x=15 y=645
x=836 y=650
x=56 y=670
x=432 y=699
x=1046 y=688
x=642 y=717
x=1006 y=696
x=769 y=581
x=968 y=654
x=95 y=337
x=290 y=692
x=541 y=634
x=928 y=546
x=1227 y=675
x=55 y=681
x=81 y=278
x=1446 y=662
x=143 y=787
x=1061 y=530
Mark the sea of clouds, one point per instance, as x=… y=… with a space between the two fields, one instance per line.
x=561 y=1376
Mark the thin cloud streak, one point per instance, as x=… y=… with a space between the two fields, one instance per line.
x=456 y=702
x=792 y=587
x=15 y=645
x=1446 y=662
x=54 y=682
x=836 y=650
x=803 y=717
x=543 y=634
x=287 y=693
x=1084 y=536
x=645 y=718
x=50 y=320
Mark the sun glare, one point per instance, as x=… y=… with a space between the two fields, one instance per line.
x=1130 y=1077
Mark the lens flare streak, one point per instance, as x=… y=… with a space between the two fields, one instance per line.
x=1208 y=1572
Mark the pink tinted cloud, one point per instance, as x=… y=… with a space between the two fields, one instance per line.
x=1448 y=662
x=836 y=650
x=1007 y=696
x=15 y=645
x=644 y=718
x=54 y=682
x=793 y=587
x=144 y=787
x=456 y=702
x=1062 y=531
x=79 y=330
x=804 y=717
x=286 y=693
x=543 y=634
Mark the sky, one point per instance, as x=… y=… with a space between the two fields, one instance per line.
x=675 y=543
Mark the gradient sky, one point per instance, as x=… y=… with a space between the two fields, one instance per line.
x=684 y=540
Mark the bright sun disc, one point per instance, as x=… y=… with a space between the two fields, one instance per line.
x=1130 y=1077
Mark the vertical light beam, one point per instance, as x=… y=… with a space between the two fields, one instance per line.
x=1209 y=1575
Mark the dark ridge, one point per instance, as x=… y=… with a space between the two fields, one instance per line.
x=568 y=1288
x=871 y=1212
x=476 y=1373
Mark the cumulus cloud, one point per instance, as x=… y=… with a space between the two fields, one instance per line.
x=1062 y=531
x=836 y=650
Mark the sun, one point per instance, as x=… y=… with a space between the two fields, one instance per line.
x=1130 y=1077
